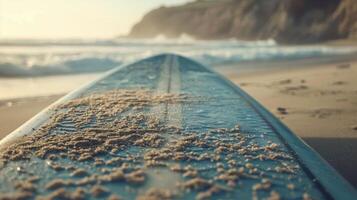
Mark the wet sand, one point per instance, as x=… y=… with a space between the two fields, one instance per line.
x=15 y=112
x=317 y=99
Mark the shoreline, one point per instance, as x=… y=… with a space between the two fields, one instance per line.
x=254 y=68
x=22 y=100
x=15 y=112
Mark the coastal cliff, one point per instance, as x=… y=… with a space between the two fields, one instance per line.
x=286 y=21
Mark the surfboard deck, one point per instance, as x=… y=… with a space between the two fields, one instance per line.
x=164 y=127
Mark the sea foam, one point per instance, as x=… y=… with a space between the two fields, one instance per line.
x=43 y=58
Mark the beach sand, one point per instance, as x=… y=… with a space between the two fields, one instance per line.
x=15 y=112
x=316 y=98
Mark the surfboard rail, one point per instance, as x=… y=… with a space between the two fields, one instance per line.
x=328 y=178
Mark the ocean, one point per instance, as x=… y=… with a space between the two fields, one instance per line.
x=30 y=68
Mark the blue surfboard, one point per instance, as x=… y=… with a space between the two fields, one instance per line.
x=165 y=127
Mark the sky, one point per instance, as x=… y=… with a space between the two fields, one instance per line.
x=87 y=19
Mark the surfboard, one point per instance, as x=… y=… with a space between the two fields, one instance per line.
x=165 y=127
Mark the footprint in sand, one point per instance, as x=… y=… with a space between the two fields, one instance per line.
x=325 y=112
x=339 y=83
x=343 y=66
x=293 y=89
x=354 y=127
x=287 y=81
x=282 y=110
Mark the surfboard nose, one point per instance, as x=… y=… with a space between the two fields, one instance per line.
x=163 y=55
x=186 y=64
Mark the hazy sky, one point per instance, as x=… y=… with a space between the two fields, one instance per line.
x=72 y=18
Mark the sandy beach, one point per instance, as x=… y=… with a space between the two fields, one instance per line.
x=15 y=112
x=316 y=98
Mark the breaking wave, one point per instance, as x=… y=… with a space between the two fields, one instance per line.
x=44 y=58
x=85 y=65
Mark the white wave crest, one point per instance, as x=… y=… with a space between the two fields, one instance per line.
x=41 y=58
